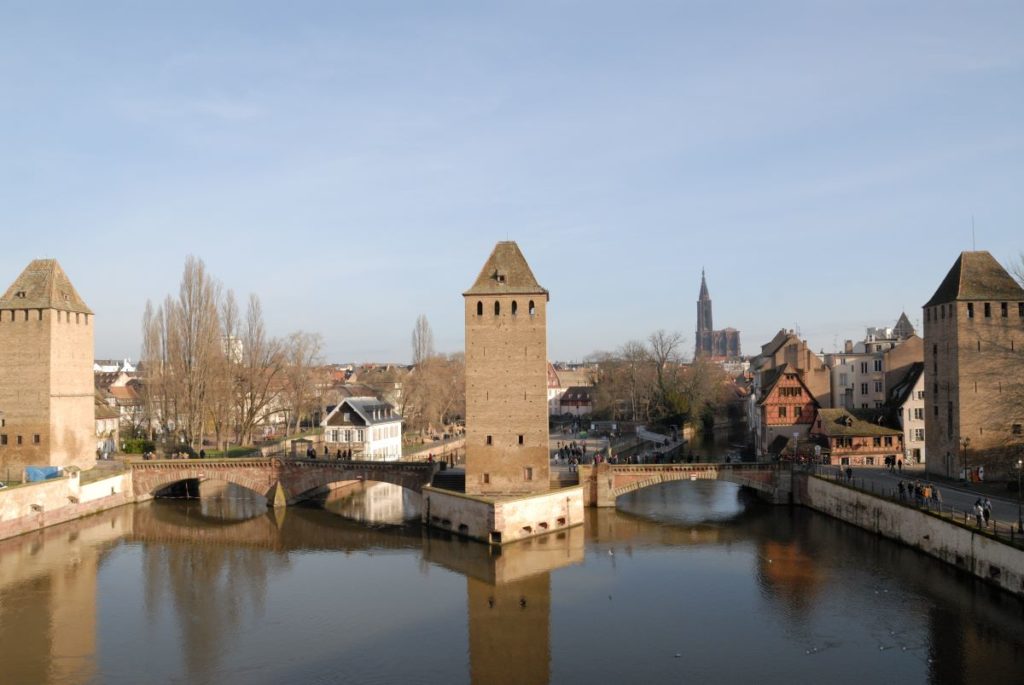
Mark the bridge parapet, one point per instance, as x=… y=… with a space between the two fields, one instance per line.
x=281 y=481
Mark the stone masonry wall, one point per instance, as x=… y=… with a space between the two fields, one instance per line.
x=506 y=395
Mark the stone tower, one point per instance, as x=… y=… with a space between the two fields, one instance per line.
x=974 y=369
x=46 y=378
x=506 y=378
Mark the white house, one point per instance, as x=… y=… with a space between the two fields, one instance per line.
x=907 y=397
x=364 y=428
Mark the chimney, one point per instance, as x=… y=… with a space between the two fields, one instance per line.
x=848 y=347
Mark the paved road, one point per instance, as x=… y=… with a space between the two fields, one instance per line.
x=1004 y=509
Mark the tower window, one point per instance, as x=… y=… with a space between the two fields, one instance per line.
x=35 y=439
x=1020 y=309
x=1004 y=309
x=487 y=478
x=20 y=294
x=533 y=309
x=497 y=308
x=528 y=473
x=490 y=440
x=970 y=310
x=515 y=307
x=19 y=440
x=988 y=310
x=520 y=439
x=3 y=439
x=479 y=308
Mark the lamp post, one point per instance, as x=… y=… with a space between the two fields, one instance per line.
x=965 y=443
x=1020 y=520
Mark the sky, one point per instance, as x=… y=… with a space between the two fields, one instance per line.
x=353 y=164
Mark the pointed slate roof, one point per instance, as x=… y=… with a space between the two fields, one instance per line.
x=976 y=276
x=506 y=273
x=903 y=328
x=43 y=285
x=704 y=294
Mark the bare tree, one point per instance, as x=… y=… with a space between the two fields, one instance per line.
x=422 y=341
x=1017 y=269
x=260 y=368
x=222 y=372
x=302 y=356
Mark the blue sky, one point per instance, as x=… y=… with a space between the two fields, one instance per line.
x=353 y=164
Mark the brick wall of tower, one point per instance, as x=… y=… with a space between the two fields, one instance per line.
x=974 y=365
x=46 y=390
x=506 y=395
x=72 y=390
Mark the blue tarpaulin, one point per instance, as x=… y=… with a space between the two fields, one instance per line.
x=34 y=474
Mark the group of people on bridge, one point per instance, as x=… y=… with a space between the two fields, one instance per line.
x=923 y=494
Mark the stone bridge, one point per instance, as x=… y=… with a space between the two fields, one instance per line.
x=603 y=484
x=281 y=481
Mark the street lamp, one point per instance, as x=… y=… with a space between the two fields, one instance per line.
x=1020 y=520
x=965 y=443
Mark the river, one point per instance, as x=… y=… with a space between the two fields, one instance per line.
x=691 y=582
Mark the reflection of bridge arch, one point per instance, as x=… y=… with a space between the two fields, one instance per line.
x=280 y=481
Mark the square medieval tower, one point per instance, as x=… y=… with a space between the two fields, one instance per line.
x=974 y=370
x=506 y=378
x=46 y=378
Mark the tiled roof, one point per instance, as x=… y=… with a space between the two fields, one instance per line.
x=855 y=422
x=902 y=389
x=976 y=276
x=506 y=273
x=903 y=328
x=43 y=285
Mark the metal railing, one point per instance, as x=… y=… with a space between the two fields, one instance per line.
x=1002 y=531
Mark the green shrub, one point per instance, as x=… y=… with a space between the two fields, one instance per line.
x=137 y=446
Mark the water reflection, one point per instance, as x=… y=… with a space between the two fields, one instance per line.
x=169 y=591
x=382 y=503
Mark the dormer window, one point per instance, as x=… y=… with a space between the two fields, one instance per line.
x=499 y=277
x=20 y=294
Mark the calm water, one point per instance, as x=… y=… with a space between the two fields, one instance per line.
x=685 y=582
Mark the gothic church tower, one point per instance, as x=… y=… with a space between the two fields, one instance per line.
x=506 y=378
x=46 y=378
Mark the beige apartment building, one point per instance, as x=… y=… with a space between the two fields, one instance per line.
x=974 y=370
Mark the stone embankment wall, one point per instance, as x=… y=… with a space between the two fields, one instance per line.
x=961 y=546
x=37 y=505
x=510 y=518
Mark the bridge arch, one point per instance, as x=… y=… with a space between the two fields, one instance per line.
x=607 y=482
x=150 y=479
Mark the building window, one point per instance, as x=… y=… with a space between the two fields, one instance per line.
x=878 y=365
x=949 y=419
x=515 y=307
x=533 y=309
x=843 y=380
x=988 y=310
x=869 y=461
x=1017 y=430
x=888 y=441
x=520 y=439
x=798 y=412
x=782 y=412
x=863 y=388
x=942 y=311
x=1004 y=309
x=919 y=434
x=19 y=440
x=919 y=413
x=920 y=394
x=1020 y=309
x=863 y=367
x=878 y=386
x=935 y=410
x=3 y=439
x=497 y=308
x=876 y=441
x=928 y=315
x=486 y=478
x=490 y=440
x=528 y=473
x=970 y=310
x=35 y=439
x=479 y=308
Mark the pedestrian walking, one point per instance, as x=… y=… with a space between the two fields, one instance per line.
x=902 y=490
x=899 y=463
x=986 y=510
x=978 y=512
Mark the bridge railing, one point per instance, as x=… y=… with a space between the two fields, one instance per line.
x=257 y=461
x=1002 y=531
